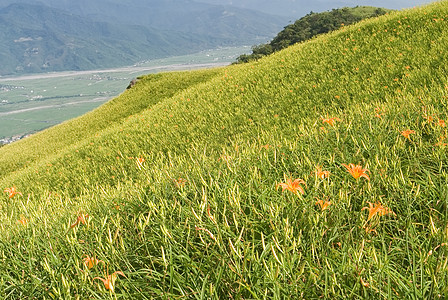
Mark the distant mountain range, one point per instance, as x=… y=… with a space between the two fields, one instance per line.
x=55 y=35
x=298 y=8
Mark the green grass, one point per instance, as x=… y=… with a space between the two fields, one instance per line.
x=201 y=216
x=366 y=11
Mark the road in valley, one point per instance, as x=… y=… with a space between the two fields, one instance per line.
x=28 y=103
x=133 y=69
x=18 y=111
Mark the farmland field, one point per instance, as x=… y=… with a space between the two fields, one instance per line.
x=31 y=103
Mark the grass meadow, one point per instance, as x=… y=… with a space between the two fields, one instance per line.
x=317 y=172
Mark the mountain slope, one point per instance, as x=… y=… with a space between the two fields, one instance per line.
x=298 y=8
x=183 y=198
x=72 y=35
x=217 y=21
x=38 y=38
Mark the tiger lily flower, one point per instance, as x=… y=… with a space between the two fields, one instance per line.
x=90 y=262
x=357 y=171
x=12 y=191
x=109 y=283
x=23 y=221
x=330 y=121
x=441 y=142
x=322 y=174
x=378 y=113
x=140 y=161
x=323 y=204
x=292 y=186
x=81 y=219
x=180 y=182
x=377 y=209
x=407 y=133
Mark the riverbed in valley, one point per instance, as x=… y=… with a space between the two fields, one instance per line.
x=31 y=103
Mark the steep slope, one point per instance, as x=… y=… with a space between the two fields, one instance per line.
x=149 y=91
x=38 y=38
x=183 y=198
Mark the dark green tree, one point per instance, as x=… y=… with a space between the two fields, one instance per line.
x=311 y=25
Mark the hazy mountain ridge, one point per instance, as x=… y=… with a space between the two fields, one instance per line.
x=40 y=38
x=180 y=15
x=298 y=8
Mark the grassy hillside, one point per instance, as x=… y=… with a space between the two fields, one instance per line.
x=148 y=92
x=185 y=192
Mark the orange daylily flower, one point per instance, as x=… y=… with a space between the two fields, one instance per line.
x=90 y=262
x=357 y=171
x=441 y=141
x=293 y=186
x=140 y=162
x=442 y=123
x=80 y=219
x=378 y=113
x=12 y=191
x=109 y=283
x=377 y=208
x=23 y=221
x=330 y=121
x=429 y=118
x=323 y=204
x=180 y=182
x=407 y=132
x=322 y=174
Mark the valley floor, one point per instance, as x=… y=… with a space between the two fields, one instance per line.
x=31 y=103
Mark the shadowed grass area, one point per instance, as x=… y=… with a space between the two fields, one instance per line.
x=187 y=194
